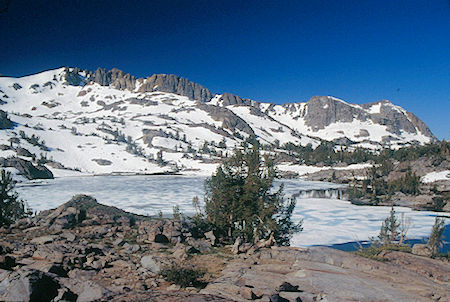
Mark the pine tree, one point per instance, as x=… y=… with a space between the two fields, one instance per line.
x=240 y=203
x=393 y=226
x=383 y=237
x=11 y=207
x=389 y=231
x=435 y=240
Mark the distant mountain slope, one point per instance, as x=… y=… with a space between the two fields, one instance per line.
x=381 y=123
x=109 y=121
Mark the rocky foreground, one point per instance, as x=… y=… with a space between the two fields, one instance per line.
x=84 y=251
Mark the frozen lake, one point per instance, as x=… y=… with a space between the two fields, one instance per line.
x=326 y=221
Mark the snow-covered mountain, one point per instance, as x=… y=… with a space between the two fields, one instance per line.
x=109 y=121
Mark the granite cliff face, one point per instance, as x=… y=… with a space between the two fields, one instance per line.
x=115 y=77
x=321 y=111
x=175 y=84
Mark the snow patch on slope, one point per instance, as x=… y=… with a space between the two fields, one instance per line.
x=436 y=176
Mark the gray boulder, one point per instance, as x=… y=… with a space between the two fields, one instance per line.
x=43 y=239
x=151 y=264
x=421 y=250
x=211 y=237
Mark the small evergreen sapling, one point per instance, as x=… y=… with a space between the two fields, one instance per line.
x=389 y=232
x=11 y=207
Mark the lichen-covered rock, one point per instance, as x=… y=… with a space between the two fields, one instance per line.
x=322 y=273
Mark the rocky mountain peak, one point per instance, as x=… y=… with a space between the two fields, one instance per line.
x=114 y=77
x=323 y=111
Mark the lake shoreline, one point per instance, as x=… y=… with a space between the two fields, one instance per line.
x=149 y=194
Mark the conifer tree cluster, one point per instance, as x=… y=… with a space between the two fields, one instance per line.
x=240 y=202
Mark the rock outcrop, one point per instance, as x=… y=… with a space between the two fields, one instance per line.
x=26 y=168
x=322 y=111
x=73 y=77
x=229 y=120
x=323 y=274
x=231 y=99
x=175 y=84
x=5 y=122
x=85 y=251
x=114 y=77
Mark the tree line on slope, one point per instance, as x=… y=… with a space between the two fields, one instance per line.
x=376 y=188
x=329 y=153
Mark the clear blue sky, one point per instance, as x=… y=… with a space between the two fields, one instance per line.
x=274 y=51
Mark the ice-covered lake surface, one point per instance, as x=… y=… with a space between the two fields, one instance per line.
x=325 y=221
